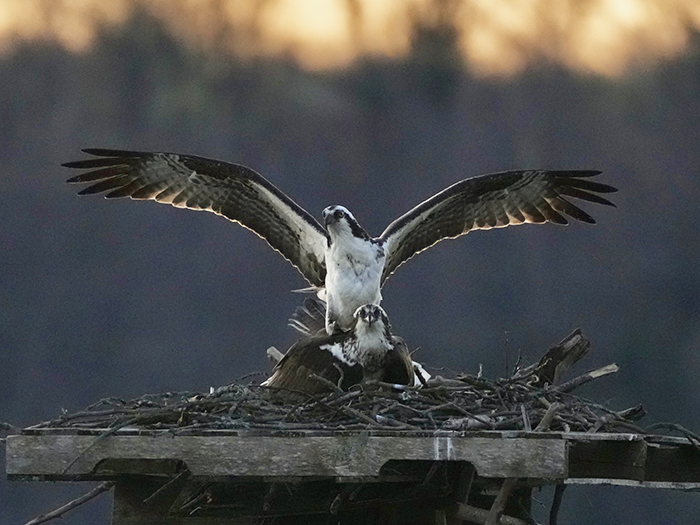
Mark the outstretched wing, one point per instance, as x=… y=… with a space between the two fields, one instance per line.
x=490 y=201
x=236 y=192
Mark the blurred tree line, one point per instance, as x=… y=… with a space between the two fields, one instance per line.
x=101 y=299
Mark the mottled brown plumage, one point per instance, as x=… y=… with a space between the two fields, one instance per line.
x=368 y=352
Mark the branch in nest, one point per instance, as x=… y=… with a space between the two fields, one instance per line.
x=557 y=360
x=690 y=436
x=546 y=420
x=331 y=386
x=588 y=376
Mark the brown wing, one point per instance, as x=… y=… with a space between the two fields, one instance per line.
x=236 y=192
x=398 y=365
x=308 y=359
x=490 y=201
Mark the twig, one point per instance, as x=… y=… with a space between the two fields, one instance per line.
x=153 y=498
x=527 y=426
x=556 y=503
x=362 y=417
x=269 y=498
x=690 y=436
x=348 y=493
x=342 y=376
x=546 y=420
x=585 y=378
x=99 y=438
x=499 y=504
x=624 y=417
x=59 y=512
x=332 y=386
x=418 y=372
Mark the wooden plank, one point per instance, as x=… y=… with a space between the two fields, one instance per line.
x=339 y=457
x=608 y=459
x=668 y=485
x=491 y=434
x=354 y=456
x=672 y=464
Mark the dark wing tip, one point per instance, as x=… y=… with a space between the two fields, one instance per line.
x=575 y=173
x=574 y=184
x=105 y=152
x=108 y=157
x=88 y=191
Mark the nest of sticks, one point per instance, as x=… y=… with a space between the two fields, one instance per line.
x=533 y=398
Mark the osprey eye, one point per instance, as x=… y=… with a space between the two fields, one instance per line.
x=339 y=214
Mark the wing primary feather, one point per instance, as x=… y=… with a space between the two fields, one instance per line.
x=125 y=191
x=115 y=153
x=108 y=184
x=584 y=195
x=490 y=219
x=549 y=213
x=574 y=173
x=166 y=195
x=564 y=206
x=502 y=218
x=181 y=198
x=198 y=201
x=91 y=163
x=585 y=185
x=514 y=213
x=531 y=213
x=98 y=174
x=149 y=190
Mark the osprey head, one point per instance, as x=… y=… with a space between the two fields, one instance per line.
x=339 y=221
x=372 y=314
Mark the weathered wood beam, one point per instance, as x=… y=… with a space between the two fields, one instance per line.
x=347 y=456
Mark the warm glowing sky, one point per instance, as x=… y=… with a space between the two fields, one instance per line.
x=496 y=36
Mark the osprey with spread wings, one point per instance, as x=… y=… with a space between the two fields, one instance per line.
x=345 y=263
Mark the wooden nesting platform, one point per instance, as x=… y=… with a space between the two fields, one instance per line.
x=452 y=451
x=234 y=477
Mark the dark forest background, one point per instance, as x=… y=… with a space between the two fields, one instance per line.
x=119 y=298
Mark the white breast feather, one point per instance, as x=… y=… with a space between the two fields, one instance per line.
x=371 y=342
x=354 y=269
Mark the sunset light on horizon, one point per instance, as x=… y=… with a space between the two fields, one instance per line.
x=495 y=37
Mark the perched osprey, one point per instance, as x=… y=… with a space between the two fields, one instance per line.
x=342 y=260
x=368 y=351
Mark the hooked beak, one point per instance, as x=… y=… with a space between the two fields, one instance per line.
x=327 y=217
